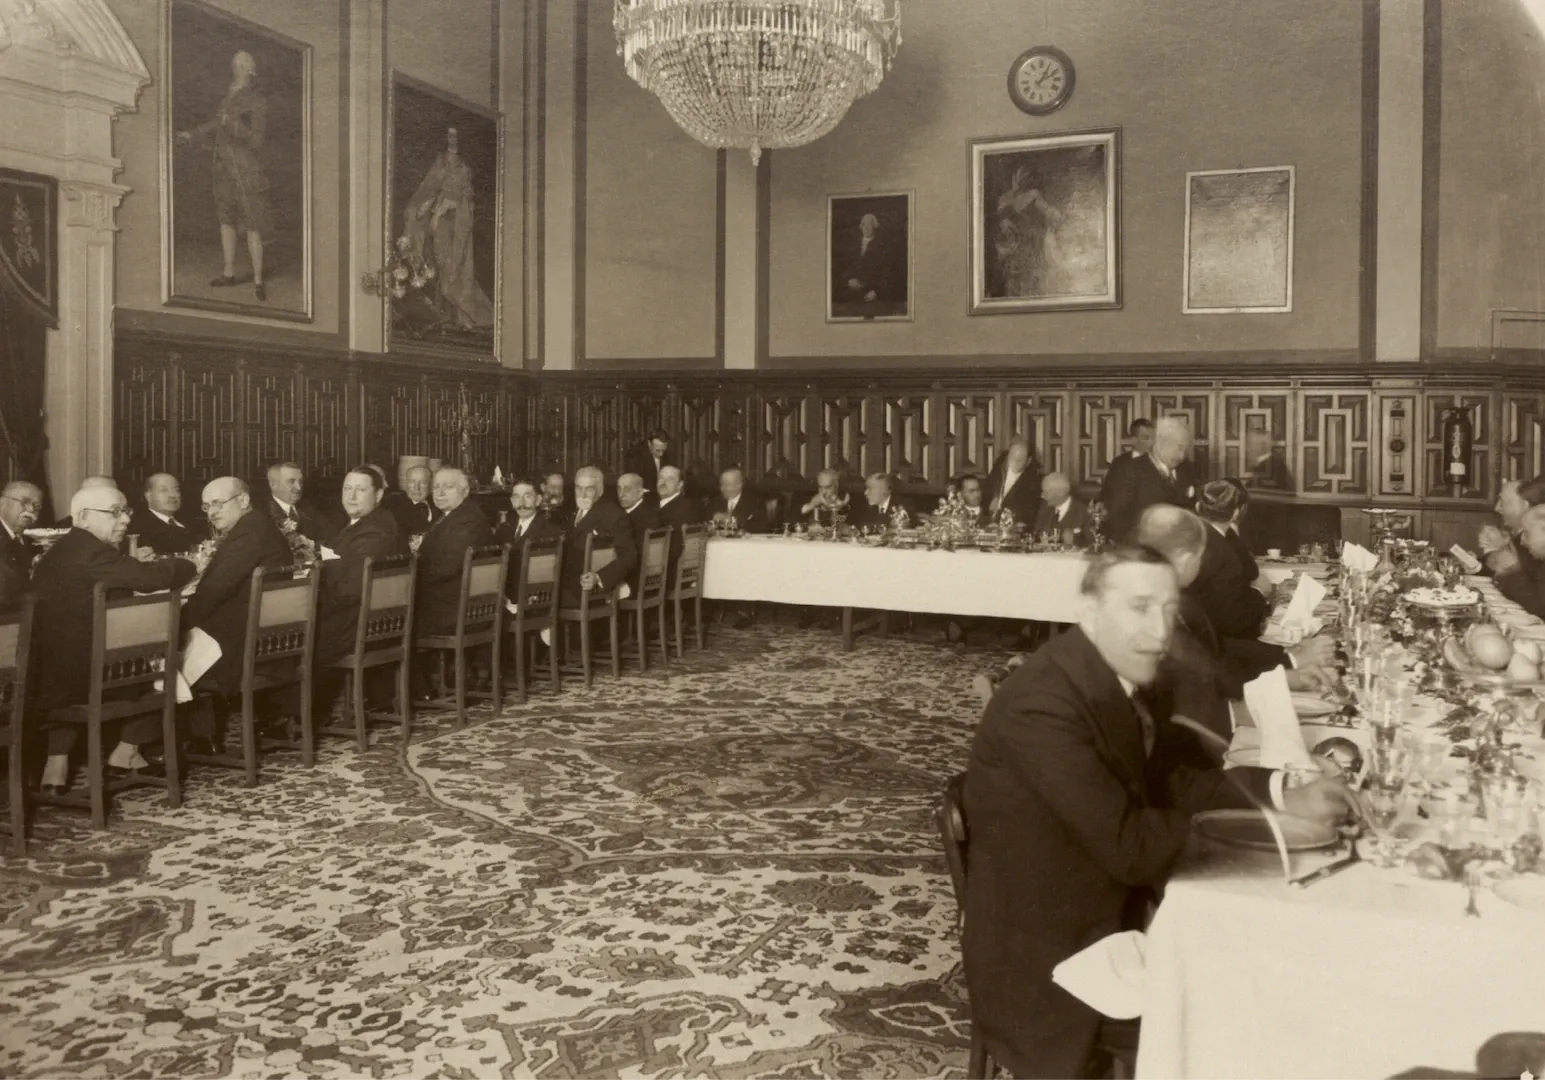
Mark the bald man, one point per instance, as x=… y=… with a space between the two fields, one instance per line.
x=462 y=525
x=159 y=526
x=1061 y=512
x=1164 y=476
x=20 y=504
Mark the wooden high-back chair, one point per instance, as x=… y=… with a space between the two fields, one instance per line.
x=134 y=666
x=15 y=639
x=382 y=635
x=479 y=621
x=594 y=604
x=281 y=639
x=689 y=580
x=654 y=555
x=536 y=605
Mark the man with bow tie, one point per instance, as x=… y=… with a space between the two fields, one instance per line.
x=159 y=527
x=286 y=484
x=1078 y=799
x=605 y=521
x=1060 y=512
x=1163 y=476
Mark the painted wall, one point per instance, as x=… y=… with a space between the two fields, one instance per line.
x=650 y=218
x=1491 y=216
x=1199 y=88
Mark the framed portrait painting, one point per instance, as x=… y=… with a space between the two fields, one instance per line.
x=236 y=165
x=445 y=161
x=1045 y=223
x=869 y=258
x=1239 y=241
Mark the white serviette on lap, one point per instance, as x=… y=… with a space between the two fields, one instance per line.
x=1307 y=595
x=1356 y=557
x=1108 y=976
x=1271 y=707
x=200 y=654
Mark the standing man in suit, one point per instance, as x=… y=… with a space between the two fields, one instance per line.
x=62 y=629
x=1013 y=484
x=412 y=506
x=1140 y=431
x=20 y=505
x=244 y=541
x=1078 y=808
x=286 y=484
x=1060 y=512
x=733 y=502
x=160 y=528
x=1163 y=476
x=604 y=520
x=647 y=459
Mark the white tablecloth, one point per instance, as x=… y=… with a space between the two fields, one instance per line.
x=1041 y=587
x=1367 y=973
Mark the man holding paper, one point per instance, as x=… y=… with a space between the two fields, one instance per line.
x=1077 y=813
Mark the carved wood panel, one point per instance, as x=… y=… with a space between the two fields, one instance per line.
x=970 y=429
x=207 y=428
x=144 y=406
x=1399 y=456
x=1478 y=481
x=1337 y=443
x=697 y=427
x=1101 y=435
x=271 y=412
x=905 y=425
x=785 y=451
x=840 y=433
x=1523 y=447
x=1253 y=442
x=1041 y=418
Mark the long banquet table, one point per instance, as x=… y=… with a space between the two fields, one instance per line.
x=1041 y=587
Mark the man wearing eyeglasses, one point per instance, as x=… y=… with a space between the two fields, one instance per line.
x=20 y=504
x=62 y=627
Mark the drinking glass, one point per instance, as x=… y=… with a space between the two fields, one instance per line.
x=1507 y=807
x=1429 y=757
x=1384 y=797
x=1452 y=809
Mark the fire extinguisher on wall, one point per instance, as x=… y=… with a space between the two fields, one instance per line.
x=1457 y=437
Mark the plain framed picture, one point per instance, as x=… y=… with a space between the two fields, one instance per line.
x=236 y=165
x=869 y=257
x=1045 y=223
x=445 y=161
x=1239 y=241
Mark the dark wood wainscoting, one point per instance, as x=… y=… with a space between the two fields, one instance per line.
x=1340 y=434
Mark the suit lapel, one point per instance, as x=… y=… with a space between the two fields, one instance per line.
x=1118 y=733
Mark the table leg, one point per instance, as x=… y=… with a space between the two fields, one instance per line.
x=847 y=629
x=885 y=624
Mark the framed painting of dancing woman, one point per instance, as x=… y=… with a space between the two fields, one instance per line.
x=445 y=161
x=236 y=165
x=1046 y=223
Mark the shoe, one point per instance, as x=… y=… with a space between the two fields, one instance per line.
x=982 y=687
x=224 y=281
x=262 y=292
x=203 y=747
x=153 y=768
x=54 y=790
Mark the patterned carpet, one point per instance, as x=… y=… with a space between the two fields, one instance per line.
x=729 y=872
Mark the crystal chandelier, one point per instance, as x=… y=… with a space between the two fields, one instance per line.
x=757 y=73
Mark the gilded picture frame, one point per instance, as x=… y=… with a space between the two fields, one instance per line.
x=869 y=262
x=1239 y=241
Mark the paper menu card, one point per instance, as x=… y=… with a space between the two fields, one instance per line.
x=1271 y=707
x=1307 y=596
x=1471 y=564
x=1357 y=557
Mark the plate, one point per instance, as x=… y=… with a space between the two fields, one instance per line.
x=1442 y=598
x=1527 y=892
x=1249 y=829
x=1310 y=706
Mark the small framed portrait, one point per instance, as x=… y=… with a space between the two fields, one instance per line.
x=236 y=165
x=445 y=164
x=1045 y=223
x=1239 y=241
x=869 y=258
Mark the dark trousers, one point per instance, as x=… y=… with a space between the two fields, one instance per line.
x=136 y=731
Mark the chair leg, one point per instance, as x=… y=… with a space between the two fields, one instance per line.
x=497 y=647
x=584 y=651
x=697 y=602
x=616 y=646
x=357 y=705
x=665 y=644
x=405 y=697
x=680 y=640
x=643 y=640
x=461 y=687
x=18 y=792
x=249 y=738
x=169 y=751
x=521 y=645
x=94 y=769
x=308 y=754
x=556 y=633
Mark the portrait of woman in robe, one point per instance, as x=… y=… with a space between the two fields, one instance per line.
x=438 y=225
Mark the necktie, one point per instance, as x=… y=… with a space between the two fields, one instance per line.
x=1150 y=729
x=175 y=523
x=289 y=513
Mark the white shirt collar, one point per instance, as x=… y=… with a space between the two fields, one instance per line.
x=1061 y=508
x=668 y=498
x=1127 y=684
x=164 y=517
x=729 y=504
x=286 y=507
x=635 y=506
x=1222 y=528
x=1164 y=470
x=12 y=533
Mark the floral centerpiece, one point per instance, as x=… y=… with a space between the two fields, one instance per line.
x=302 y=549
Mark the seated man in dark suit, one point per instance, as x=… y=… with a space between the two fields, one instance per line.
x=829 y=499
x=641 y=514
x=733 y=502
x=1234 y=534
x=604 y=520
x=440 y=555
x=1014 y=484
x=370 y=534
x=1140 y=431
x=1223 y=587
x=1161 y=477
x=1060 y=512
x=647 y=459
x=528 y=524
x=20 y=505
x=880 y=508
x=1078 y=809
x=160 y=528
x=62 y=629
x=675 y=510
x=970 y=487
x=246 y=538
x=557 y=504
x=412 y=507
x=1520 y=566
x=286 y=485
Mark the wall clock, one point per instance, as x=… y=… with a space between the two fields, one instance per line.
x=1041 y=80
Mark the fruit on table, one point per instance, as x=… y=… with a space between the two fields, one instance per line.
x=1459 y=658
x=1531 y=649
x=1521 y=669
x=1486 y=643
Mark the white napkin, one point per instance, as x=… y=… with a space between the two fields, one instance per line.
x=1357 y=557
x=1471 y=564
x=1271 y=707
x=328 y=553
x=200 y=654
x=1307 y=595
x=184 y=691
x=1108 y=976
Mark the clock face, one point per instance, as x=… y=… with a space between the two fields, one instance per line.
x=1041 y=80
